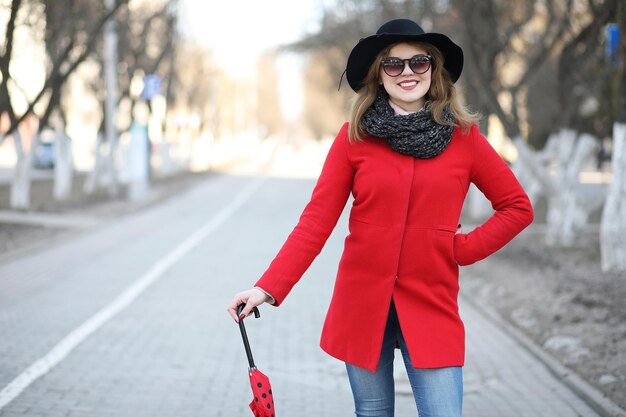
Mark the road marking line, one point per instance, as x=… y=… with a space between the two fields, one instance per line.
x=59 y=352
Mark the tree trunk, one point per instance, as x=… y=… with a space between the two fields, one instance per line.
x=138 y=163
x=62 y=166
x=478 y=207
x=533 y=164
x=533 y=186
x=613 y=225
x=567 y=214
x=20 y=188
x=557 y=200
x=93 y=176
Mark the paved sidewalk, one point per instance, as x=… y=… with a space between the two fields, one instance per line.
x=174 y=352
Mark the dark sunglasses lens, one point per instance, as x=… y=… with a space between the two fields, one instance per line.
x=419 y=65
x=393 y=68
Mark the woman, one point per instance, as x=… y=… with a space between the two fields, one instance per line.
x=407 y=156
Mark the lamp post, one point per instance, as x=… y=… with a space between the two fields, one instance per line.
x=110 y=101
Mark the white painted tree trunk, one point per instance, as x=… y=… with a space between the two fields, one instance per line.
x=613 y=224
x=138 y=161
x=534 y=166
x=93 y=176
x=531 y=171
x=20 y=187
x=568 y=214
x=62 y=166
x=534 y=187
x=167 y=166
x=478 y=207
x=104 y=172
x=557 y=200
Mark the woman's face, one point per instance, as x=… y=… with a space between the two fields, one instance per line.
x=408 y=90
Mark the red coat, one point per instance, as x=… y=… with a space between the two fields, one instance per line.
x=402 y=243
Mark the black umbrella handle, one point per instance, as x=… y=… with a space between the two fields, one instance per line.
x=244 y=335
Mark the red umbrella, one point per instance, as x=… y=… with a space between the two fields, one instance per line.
x=262 y=405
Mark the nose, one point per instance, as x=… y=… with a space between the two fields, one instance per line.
x=406 y=69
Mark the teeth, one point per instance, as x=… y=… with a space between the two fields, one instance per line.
x=408 y=83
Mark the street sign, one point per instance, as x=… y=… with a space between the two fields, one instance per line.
x=151 y=86
x=611 y=37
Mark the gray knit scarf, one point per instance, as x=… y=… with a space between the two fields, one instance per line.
x=416 y=134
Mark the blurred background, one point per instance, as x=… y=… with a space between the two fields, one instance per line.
x=205 y=84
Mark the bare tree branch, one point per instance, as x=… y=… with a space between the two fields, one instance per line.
x=5 y=60
x=548 y=42
x=62 y=67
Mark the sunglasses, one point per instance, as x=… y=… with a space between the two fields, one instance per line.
x=394 y=66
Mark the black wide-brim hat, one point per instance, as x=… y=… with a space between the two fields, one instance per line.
x=396 y=31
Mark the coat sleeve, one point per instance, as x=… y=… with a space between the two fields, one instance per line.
x=513 y=210
x=316 y=223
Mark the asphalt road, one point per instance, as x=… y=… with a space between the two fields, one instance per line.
x=130 y=319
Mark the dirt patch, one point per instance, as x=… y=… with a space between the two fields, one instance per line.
x=562 y=300
x=17 y=236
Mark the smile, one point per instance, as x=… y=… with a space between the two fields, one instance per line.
x=408 y=84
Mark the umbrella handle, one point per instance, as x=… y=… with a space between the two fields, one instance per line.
x=244 y=335
x=255 y=310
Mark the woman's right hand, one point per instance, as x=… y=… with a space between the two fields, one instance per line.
x=251 y=298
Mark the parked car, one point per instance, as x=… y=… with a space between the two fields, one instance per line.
x=44 y=155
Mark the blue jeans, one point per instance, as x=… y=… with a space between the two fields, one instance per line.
x=438 y=392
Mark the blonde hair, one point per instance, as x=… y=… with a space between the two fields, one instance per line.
x=442 y=94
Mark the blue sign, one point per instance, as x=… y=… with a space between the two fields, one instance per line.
x=151 y=86
x=611 y=37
